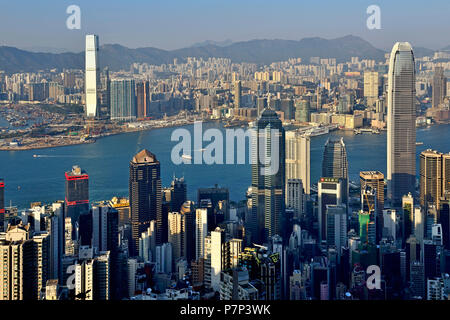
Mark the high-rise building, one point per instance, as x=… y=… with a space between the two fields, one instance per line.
x=175 y=234
x=201 y=231
x=178 y=193
x=375 y=180
x=346 y=103
x=330 y=192
x=215 y=194
x=303 y=110
x=439 y=87
x=261 y=104
x=434 y=177
x=287 y=106
x=436 y=289
x=216 y=255
x=417 y=279
x=147 y=243
x=189 y=230
x=444 y=220
x=408 y=216
x=92 y=75
x=2 y=204
x=430 y=258
x=24 y=263
x=55 y=228
x=298 y=163
x=371 y=84
x=336 y=226
x=401 y=123
x=77 y=193
x=419 y=223
x=294 y=197
x=145 y=195
x=335 y=164
x=142 y=99
x=268 y=175
x=237 y=94
x=367 y=230
x=123 y=100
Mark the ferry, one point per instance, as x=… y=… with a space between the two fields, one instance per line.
x=419 y=143
x=317 y=131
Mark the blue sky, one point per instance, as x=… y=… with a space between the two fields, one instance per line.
x=172 y=24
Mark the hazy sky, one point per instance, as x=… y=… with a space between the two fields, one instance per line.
x=171 y=24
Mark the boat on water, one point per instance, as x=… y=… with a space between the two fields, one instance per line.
x=419 y=143
x=186 y=156
x=317 y=131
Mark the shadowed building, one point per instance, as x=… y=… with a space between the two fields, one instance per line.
x=335 y=165
x=145 y=195
x=268 y=182
x=77 y=194
x=2 y=204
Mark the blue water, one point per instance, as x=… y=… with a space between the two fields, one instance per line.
x=107 y=163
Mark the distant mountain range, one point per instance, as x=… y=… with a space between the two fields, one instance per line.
x=118 y=57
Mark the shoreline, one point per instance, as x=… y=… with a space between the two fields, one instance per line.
x=95 y=138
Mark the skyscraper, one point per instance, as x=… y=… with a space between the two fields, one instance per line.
x=268 y=181
x=335 y=165
x=216 y=257
x=189 y=230
x=375 y=179
x=372 y=182
x=294 y=197
x=439 y=87
x=330 y=192
x=142 y=99
x=298 y=163
x=303 y=111
x=123 y=100
x=201 y=231
x=408 y=216
x=77 y=193
x=237 y=94
x=2 y=204
x=371 y=84
x=175 y=234
x=24 y=263
x=145 y=195
x=434 y=177
x=336 y=226
x=178 y=193
x=401 y=125
x=92 y=80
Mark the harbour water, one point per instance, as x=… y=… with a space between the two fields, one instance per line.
x=41 y=178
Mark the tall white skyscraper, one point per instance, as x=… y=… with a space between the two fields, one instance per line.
x=201 y=231
x=298 y=165
x=401 y=125
x=92 y=80
x=217 y=240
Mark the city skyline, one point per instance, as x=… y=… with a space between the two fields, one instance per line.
x=217 y=174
